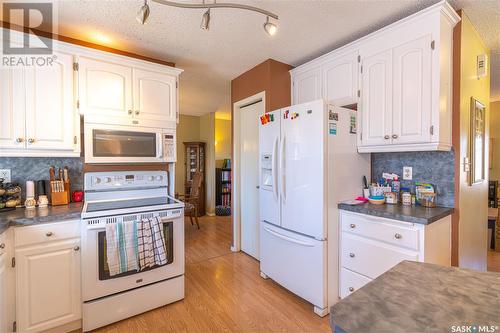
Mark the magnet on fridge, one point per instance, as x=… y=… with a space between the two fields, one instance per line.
x=272 y=117
x=268 y=117
x=285 y=115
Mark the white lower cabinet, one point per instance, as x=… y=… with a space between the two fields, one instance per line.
x=48 y=288
x=370 y=246
x=7 y=283
x=4 y=322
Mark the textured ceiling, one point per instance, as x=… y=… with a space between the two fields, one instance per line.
x=236 y=40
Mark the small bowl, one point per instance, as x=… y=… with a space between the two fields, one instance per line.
x=376 y=201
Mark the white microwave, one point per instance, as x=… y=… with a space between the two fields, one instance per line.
x=113 y=144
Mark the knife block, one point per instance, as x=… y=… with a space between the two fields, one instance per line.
x=60 y=198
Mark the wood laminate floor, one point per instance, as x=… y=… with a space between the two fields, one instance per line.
x=493 y=261
x=224 y=293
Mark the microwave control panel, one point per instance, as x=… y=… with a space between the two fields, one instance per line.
x=169 y=149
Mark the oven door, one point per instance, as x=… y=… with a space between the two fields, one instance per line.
x=123 y=144
x=96 y=280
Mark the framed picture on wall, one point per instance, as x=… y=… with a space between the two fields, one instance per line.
x=477 y=142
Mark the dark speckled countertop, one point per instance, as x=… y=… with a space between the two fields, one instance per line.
x=22 y=217
x=412 y=214
x=420 y=297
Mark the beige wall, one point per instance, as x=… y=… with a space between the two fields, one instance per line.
x=222 y=139
x=495 y=140
x=207 y=134
x=187 y=130
x=473 y=200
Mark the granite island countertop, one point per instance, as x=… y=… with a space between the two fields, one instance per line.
x=420 y=297
x=23 y=217
x=412 y=214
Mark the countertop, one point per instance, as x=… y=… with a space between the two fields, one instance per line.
x=22 y=216
x=420 y=297
x=412 y=214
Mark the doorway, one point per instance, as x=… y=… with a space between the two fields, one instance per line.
x=246 y=174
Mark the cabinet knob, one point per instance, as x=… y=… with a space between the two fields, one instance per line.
x=351 y=289
x=19 y=140
x=2 y=246
x=398 y=236
x=76 y=248
x=352 y=255
x=130 y=111
x=137 y=112
x=31 y=140
x=394 y=136
x=387 y=137
x=48 y=234
x=352 y=226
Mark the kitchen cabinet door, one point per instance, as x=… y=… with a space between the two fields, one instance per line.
x=376 y=99
x=412 y=91
x=12 y=105
x=340 y=80
x=50 y=106
x=307 y=86
x=155 y=98
x=48 y=285
x=4 y=321
x=105 y=90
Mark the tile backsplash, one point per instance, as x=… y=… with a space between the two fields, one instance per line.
x=437 y=168
x=37 y=168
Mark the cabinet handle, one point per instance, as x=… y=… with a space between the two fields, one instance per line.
x=352 y=255
x=398 y=236
x=130 y=111
x=351 y=289
x=137 y=112
x=48 y=234
x=2 y=246
x=19 y=140
x=31 y=140
x=352 y=226
x=387 y=137
x=76 y=248
x=394 y=136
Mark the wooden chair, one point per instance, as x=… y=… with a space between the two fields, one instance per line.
x=192 y=199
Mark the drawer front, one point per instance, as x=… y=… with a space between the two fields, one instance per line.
x=371 y=258
x=350 y=282
x=46 y=232
x=385 y=230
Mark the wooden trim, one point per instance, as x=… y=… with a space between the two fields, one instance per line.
x=74 y=41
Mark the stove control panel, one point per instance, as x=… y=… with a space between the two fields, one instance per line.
x=125 y=179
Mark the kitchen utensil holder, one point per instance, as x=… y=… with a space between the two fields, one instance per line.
x=62 y=197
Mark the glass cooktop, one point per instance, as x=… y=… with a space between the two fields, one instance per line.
x=123 y=204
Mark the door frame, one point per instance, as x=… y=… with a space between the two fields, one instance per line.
x=236 y=197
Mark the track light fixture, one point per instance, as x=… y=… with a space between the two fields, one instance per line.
x=270 y=27
x=143 y=14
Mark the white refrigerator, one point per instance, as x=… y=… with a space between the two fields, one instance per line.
x=308 y=163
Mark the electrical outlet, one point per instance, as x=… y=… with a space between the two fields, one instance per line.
x=407 y=173
x=5 y=174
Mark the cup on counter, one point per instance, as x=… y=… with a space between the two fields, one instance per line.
x=366 y=193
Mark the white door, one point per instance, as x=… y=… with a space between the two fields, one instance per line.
x=48 y=285
x=376 y=99
x=50 y=105
x=154 y=98
x=307 y=86
x=12 y=108
x=340 y=80
x=249 y=195
x=105 y=91
x=269 y=198
x=412 y=91
x=302 y=169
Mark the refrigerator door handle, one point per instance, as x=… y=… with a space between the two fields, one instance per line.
x=282 y=169
x=275 y=169
x=289 y=239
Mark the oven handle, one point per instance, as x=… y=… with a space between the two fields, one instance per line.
x=101 y=227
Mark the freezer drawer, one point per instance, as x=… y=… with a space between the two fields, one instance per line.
x=296 y=262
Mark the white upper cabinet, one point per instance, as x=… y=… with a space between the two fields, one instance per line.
x=340 y=79
x=154 y=98
x=400 y=77
x=307 y=86
x=12 y=112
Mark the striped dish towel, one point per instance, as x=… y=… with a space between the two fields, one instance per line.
x=151 y=243
x=121 y=247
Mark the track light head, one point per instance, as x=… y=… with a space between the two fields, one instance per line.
x=270 y=27
x=143 y=13
x=205 y=20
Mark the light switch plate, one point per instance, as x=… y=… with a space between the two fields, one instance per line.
x=5 y=174
x=407 y=173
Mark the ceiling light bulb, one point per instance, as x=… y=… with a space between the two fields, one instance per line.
x=143 y=14
x=270 y=27
x=205 y=20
